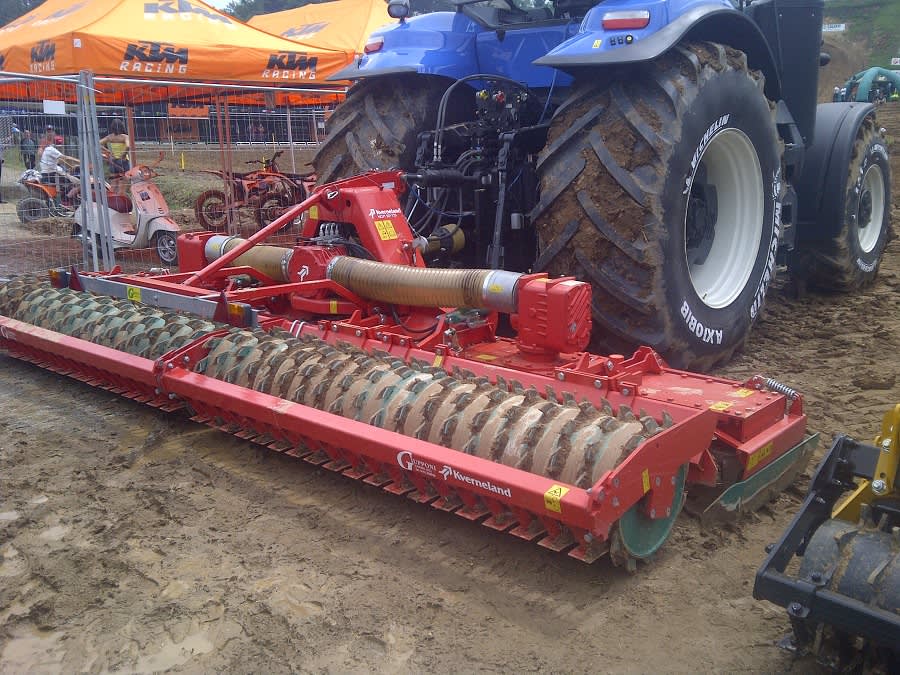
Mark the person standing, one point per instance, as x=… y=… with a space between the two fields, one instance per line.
x=4 y=144
x=118 y=144
x=28 y=148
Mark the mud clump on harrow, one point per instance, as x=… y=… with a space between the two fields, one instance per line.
x=571 y=442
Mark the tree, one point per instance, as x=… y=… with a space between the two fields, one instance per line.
x=13 y=9
x=244 y=9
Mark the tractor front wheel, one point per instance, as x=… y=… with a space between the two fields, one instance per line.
x=850 y=260
x=662 y=189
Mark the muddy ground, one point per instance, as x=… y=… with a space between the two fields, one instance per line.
x=133 y=540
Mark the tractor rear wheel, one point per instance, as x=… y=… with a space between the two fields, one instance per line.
x=376 y=127
x=661 y=187
x=850 y=260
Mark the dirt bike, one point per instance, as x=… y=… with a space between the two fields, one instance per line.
x=45 y=200
x=268 y=191
x=140 y=220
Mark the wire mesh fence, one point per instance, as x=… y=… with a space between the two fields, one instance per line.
x=196 y=157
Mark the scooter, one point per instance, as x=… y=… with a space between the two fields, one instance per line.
x=139 y=221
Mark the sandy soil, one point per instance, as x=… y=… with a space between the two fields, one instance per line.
x=132 y=540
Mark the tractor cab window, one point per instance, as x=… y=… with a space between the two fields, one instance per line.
x=496 y=13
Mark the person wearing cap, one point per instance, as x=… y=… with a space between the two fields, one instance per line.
x=46 y=139
x=51 y=158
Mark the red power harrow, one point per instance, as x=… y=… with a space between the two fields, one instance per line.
x=393 y=373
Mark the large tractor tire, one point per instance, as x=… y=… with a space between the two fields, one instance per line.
x=376 y=127
x=850 y=260
x=661 y=187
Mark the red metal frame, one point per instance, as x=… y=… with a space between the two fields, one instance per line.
x=707 y=413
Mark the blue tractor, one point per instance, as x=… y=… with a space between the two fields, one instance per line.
x=670 y=152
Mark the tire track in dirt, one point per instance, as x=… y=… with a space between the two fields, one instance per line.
x=135 y=540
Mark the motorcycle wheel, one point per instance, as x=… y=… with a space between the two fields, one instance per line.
x=210 y=210
x=31 y=209
x=271 y=208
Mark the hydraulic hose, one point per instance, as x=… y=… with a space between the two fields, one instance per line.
x=424 y=287
x=272 y=261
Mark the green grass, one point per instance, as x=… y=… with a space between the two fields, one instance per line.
x=875 y=22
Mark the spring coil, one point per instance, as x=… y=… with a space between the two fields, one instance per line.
x=781 y=388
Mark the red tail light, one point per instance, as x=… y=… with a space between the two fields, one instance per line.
x=626 y=20
x=374 y=45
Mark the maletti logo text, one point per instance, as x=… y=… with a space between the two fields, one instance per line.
x=291 y=66
x=410 y=462
x=154 y=57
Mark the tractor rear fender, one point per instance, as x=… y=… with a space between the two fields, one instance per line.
x=438 y=43
x=714 y=22
x=820 y=187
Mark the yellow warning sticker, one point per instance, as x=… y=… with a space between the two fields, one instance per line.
x=438 y=361
x=332 y=306
x=314 y=212
x=597 y=44
x=720 y=405
x=495 y=288
x=645 y=480
x=486 y=357
x=742 y=393
x=386 y=230
x=759 y=456
x=553 y=496
x=133 y=293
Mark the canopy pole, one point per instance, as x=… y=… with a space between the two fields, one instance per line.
x=129 y=121
x=223 y=162
x=290 y=138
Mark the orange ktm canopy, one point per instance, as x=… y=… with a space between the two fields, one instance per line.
x=182 y=40
x=344 y=25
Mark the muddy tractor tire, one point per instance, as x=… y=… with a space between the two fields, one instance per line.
x=662 y=189
x=377 y=126
x=850 y=260
x=211 y=210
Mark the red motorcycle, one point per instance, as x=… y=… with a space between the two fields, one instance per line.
x=267 y=191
